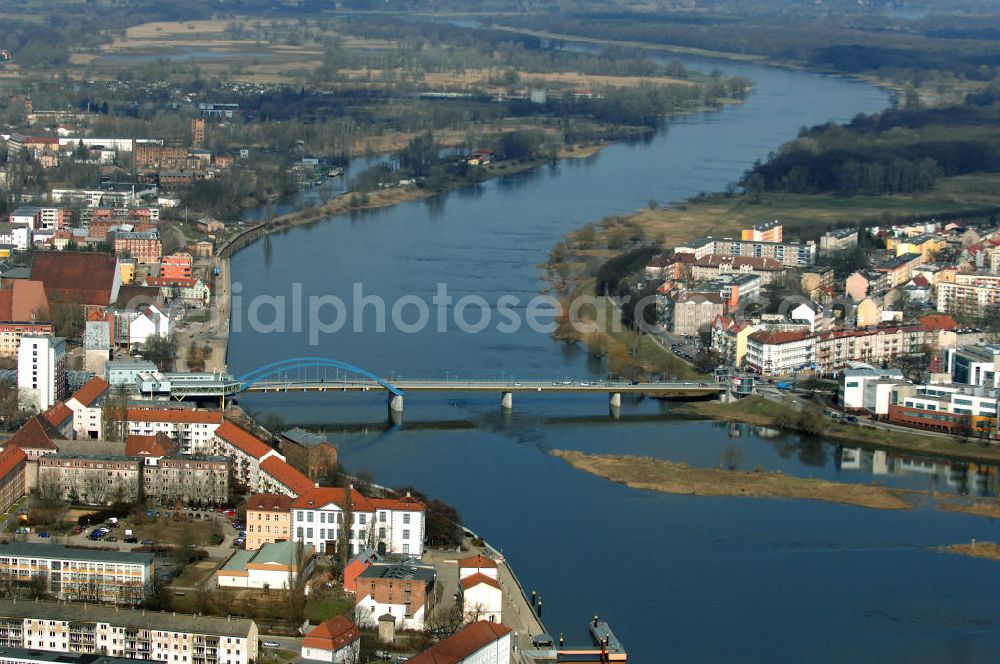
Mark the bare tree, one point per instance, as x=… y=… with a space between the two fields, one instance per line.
x=114 y=415
x=444 y=621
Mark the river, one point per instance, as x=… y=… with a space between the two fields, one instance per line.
x=680 y=578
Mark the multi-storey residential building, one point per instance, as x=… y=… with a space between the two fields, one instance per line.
x=389 y=525
x=777 y=353
x=34 y=656
x=13 y=482
x=41 y=371
x=90 y=575
x=146 y=635
x=695 y=311
x=92 y=479
x=924 y=244
x=144 y=246
x=729 y=339
x=246 y=451
x=403 y=590
x=277 y=476
x=769 y=270
x=159 y=156
x=771 y=231
x=43 y=218
x=898 y=270
x=176 y=266
x=969 y=295
x=193 y=429
x=12 y=331
x=192 y=479
x=875 y=345
x=975 y=365
x=791 y=254
x=839 y=239
x=269 y=517
x=86 y=406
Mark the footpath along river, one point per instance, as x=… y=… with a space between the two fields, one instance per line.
x=680 y=578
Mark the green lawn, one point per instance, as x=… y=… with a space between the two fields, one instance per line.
x=333 y=603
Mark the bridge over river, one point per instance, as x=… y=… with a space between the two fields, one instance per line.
x=324 y=375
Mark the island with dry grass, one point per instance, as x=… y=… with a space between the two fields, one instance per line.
x=678 y=478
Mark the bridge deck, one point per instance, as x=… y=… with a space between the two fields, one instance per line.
x=488 y=386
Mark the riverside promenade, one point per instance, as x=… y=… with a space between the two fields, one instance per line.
x=517 y=612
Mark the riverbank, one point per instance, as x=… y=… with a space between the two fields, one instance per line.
x=765 y=412
x=678 y=478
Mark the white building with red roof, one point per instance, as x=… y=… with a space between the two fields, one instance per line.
x=400 y=525
x=477 y=564
x=389 y=525
x=481 y=642
x=193 y=429
x=337 y=640
x=86 y=406
x=481 y=597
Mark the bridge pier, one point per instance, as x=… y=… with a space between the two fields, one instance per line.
x=395 y=403
x=615 y=401
x=507 y=400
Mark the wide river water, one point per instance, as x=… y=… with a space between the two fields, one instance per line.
x=680 y=578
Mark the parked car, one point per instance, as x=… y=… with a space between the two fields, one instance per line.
x=131 y=540
x=270 y=644
x=147 y=542
x=43 y=534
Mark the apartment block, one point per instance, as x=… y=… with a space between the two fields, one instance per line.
x=41 y=371
x=246 y=451
x=776 y=353
x=195 y=479
x=771 y=231
x=86 y=575
x=144 y=246
x=193 y=429
x=969 y=295
x=144 y=635
x=91 y=479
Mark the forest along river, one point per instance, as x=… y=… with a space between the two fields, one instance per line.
x=679 y=577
